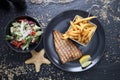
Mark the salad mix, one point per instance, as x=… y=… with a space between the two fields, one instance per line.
x=24 y=33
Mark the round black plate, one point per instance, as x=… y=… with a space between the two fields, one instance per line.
x=61 y=23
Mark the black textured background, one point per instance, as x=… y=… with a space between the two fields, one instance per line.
x=12 y=65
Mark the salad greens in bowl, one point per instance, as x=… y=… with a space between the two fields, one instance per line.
x=23 y=34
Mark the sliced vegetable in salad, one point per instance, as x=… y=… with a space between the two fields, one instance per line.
x=24 y=33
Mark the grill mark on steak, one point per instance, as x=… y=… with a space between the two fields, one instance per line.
x=66 y=50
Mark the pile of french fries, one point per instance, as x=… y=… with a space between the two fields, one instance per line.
x=80 y=30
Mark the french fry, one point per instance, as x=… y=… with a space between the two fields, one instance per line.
x=79 y=38
x=72 y=24
x=85 y=19
x=80 y=29
x=71 y=34
x=73 y=37
x=75 y=32
x=65 y=36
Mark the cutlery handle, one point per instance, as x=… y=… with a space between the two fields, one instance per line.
x=95 y=9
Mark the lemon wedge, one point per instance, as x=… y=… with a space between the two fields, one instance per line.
x=85 y=60
x=86 y=64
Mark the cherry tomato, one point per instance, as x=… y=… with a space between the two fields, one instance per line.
x=18 y=44
x=33 y=33
x=15 y=43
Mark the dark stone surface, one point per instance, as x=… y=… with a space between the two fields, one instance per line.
x=12 y=65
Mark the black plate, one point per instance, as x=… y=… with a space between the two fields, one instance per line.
x=61 y=23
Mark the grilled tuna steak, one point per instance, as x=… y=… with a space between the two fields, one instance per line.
x=66 y=50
